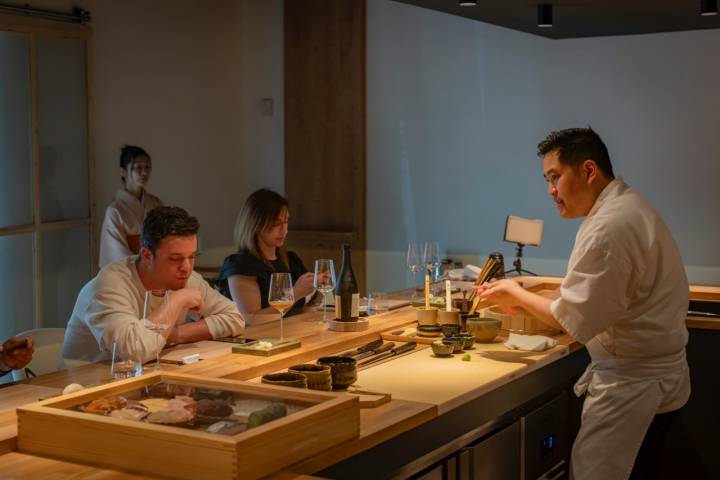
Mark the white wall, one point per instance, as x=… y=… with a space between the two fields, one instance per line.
x=457 y=107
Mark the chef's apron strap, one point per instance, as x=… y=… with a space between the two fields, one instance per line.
x=614 y=422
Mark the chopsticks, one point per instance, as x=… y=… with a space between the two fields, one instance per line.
x=488 y=271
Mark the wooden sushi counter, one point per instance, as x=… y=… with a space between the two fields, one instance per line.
x=439 y=406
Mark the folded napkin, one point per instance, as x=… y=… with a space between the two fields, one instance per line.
x=531 y=343
x=471 y=271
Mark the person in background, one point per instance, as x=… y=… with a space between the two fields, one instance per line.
x=625 y=296
x=15 y=353
x=120 y=233
x=110 y=307
x=260 y=233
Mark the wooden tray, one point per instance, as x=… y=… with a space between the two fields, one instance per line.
x=390 y=336
x=278 y=347
x=359 y=326
x=369 y=399
x=51 y=428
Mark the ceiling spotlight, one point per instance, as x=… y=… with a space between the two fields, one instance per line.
x=468 y=3
x=708 y=8
x=545 y=19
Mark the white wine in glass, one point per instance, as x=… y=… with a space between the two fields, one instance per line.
x=324 y=281
x=281 y=295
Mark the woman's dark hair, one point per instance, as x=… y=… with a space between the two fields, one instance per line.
x=161 y=222
x=575 y=145
x=259 y=212
x=128 y=155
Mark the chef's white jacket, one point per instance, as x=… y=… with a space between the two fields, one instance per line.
x=110 y=308
x=120 y=233
x=626 y=297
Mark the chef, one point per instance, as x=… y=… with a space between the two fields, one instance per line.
x=120 y=233
x=625 y=296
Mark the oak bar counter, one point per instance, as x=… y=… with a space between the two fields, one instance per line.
x=446 y=416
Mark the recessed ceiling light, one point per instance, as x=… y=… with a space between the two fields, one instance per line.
x=708 y=8
x=468 y=3
x=545 y=16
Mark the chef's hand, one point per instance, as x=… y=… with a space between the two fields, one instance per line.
x=503 y=293
x=304 y=286
x=15 y=358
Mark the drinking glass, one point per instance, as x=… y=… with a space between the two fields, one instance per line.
x=126 y=362
x=281 y=296
x=431 y=257
x=157 y=301
x=324 y=281
x=414 y=262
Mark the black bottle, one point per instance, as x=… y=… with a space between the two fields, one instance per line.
x=347 y=297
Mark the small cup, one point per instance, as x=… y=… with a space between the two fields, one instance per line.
x=450 y=329
x=318 y=376
x=426 y=316
x=442 y=349
x=376 y=303
x=286 y=379
x=342 y=369
x=445 y=317
x=469 y=340
x=126 y=363
x=457 y=343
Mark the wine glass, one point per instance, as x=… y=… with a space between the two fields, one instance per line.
x=431 y=256
x=281 y=296
x=413 y=258
x=324 y=281
x=157 y=301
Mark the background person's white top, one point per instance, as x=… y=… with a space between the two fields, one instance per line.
x=123 y=219
x=110 y=307
x=626 y=286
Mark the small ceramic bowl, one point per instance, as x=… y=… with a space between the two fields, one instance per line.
x=457 y=342
x=426 y=316
x=429 y=330
x=342 y=369
x=318 y=376
x=483 y=329
x=469 y=340
x=450 y=329
x=464 y=318
x=442 y=349
x=287 y=379
x=445 y=317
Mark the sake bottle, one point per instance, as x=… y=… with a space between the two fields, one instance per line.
x=347 y=297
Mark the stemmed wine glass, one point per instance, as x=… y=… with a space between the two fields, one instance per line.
x=413 y=258
x=324 y=281
x=161 y=320
x=431 y=257
x=281 y=295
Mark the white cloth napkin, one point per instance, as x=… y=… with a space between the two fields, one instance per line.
x=471 y=271
x=531 y=343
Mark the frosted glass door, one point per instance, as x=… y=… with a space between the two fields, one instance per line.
x=16 y=177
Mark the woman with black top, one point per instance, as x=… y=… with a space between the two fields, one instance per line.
x=260 y=233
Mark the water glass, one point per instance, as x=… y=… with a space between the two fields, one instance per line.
x=324 y=281
x=126 y=361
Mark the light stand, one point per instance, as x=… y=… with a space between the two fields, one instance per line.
x=518 y=263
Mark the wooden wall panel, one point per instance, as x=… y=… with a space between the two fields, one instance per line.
x=325 y=131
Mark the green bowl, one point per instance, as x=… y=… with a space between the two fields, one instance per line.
x=483 y=329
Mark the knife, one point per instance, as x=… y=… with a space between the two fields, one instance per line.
x=382 y=349
x=363 y=348
x=395 y=351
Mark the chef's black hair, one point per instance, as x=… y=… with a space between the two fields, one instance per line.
x=161 y=222
x=128 y=155
x=575 y=145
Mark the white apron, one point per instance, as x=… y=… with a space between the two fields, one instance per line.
x=623 y=397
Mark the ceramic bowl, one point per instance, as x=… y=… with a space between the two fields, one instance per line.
x=287 y=379
x=450 y=329
x=457 y=342
x=442 y=349
x=469 y=340
x=445 y=317
x=464 y=318
x=429 y=330
x=343 y=371
x=318 y=376
x=426 y=316
x=483 y=329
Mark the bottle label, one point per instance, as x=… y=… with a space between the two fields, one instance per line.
x=354 y=307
